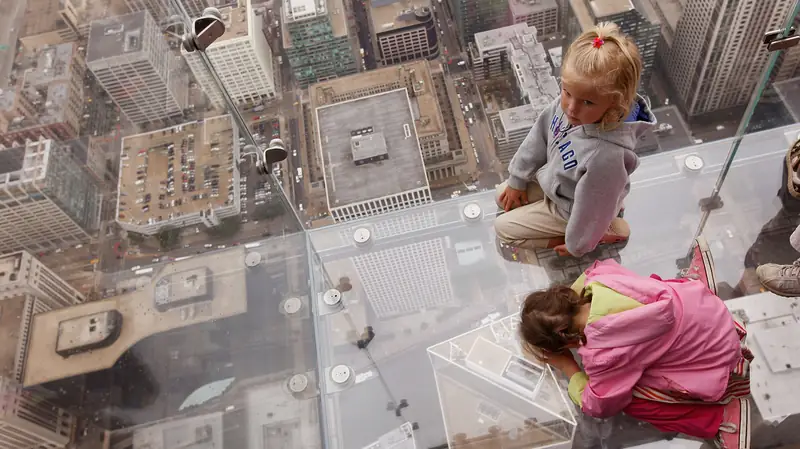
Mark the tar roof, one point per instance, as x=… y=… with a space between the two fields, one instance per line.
x=140 y=318
x=388 y=113
x=117 y=35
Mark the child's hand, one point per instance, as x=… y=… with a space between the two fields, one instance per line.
x=563 y=361
x=512 y=198
x=562 y=251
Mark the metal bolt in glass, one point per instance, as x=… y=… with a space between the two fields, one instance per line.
x=340 y=374
x=252 y=259
x=298 y=383
x=332 y=297
x=472 y=211
x=693 y=162
x=292 y=305
x=362 y=235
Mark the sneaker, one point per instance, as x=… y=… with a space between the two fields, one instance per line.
x=734 y=432
x=701 y=266
x=782 y=280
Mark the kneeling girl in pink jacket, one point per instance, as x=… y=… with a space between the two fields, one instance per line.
x=667 y=352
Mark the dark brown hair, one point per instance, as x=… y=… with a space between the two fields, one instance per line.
x=546 y=318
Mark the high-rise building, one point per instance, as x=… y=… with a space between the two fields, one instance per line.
x=716 y=61
x=132 y=61
x=156 y=191
x=404 y=30
x=47 y=198
x=510 y=127
x=28 y=421
x=162 y=9
x=242 y=58
x=22 y=274
x=371 y=139
x=543 y=15
x=316 y=40
x=47 y=101
x=495 y=52
x=635 y=18
x=475 y=16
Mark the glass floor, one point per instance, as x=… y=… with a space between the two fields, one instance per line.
x=397 y=331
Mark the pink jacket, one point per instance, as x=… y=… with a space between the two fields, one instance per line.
x=682 y=341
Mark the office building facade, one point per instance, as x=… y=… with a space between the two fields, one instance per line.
x=28 y=421
x=716 y=60
x=47 y=198
x=636 y=18
x=132 y=61
x=162 y=9
x=47 y=101
x=316 y=40
x=543 y=15
x=475 y=16
x=23 y=274
x=404 y=31
x=242 y=58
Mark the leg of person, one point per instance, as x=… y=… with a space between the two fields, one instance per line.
x=535 y=225
x=782 y=280
x=727 y=424
x=701 y=266
x=696 y=420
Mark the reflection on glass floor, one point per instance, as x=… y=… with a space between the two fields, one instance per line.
x=486 y=387
x=414 y=279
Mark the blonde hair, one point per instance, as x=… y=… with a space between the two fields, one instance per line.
x=613 y=68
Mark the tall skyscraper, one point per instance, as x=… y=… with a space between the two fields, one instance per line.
x=162 y=9
x=47 y=198
x=315 y=36
x=475 y=16
x=28 y=421
x=404 y=30
x=636 y=18
x=47 y=100
x=717 y=55
x=540 y=14
x=133 y=63
x=242 y=58
x=23 y=274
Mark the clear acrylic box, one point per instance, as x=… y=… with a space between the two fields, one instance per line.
x=490 y=393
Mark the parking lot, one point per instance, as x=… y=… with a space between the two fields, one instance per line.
x=180 y=170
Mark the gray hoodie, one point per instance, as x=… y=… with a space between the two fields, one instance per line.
x=583 y=170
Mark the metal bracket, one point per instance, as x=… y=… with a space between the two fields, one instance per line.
x=774 y=41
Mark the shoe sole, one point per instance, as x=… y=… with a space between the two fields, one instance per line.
x=772 y=290
x=708 y=263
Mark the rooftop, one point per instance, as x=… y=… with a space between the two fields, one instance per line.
x=196 y=432
x=209 y=147
x=390 y=15
x=25 y=164
x=236 y=21
x=527 y=7
x=52 y=64
x=533 y=72
x=417 y=74
x=520 y=117
x=140 y=317
x=117 y=35
x=582 y=14
x=605 y=8
x=388 y=113
x=296 y=10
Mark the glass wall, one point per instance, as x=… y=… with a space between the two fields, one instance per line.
x=250 y=228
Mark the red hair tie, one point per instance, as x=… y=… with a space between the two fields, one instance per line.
x=598 y=42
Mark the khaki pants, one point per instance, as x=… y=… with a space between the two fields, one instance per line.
x=534 y=225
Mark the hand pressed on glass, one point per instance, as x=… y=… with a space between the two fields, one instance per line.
x=512 y=198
